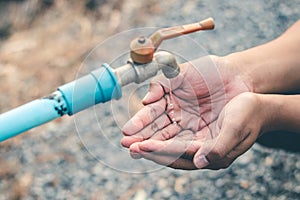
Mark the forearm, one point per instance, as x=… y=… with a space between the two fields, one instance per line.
x=282 y=112
x=273 y=67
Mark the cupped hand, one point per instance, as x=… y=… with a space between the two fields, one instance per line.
x=182 y=110
x=238 y=126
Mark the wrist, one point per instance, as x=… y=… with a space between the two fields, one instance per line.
x=270 y=108
x=283 y=112
x=260 y=68
x=272 y=67
x=239 y=68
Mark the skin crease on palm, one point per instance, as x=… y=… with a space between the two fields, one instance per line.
x=195 y=104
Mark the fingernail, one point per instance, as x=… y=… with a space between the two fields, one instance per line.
x=135 y=155
x=132 y=127
x=146 y=97
x=126 y=129
x=135 y=151
x=201 y=161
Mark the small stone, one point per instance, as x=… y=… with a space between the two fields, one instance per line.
x=179 y=184
x=297 y=189
x=268 y=161
x=246 y=158
x=162 y=183
x=140 y=195
x=298 y=164
x=166 y=193
x=298 y=177
x=230 y=194
x=219 y=183
x=244 y=184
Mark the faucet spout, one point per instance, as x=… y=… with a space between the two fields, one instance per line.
x=168 y=64
x=138 y=73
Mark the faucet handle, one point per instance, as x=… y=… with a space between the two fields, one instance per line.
x=172 y=32
x=142 y=48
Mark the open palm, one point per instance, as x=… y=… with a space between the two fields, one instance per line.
x=183 y=107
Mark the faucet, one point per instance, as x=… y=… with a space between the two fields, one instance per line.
x=102 y=84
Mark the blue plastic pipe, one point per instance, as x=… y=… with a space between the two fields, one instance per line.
x=26 y=117
x=99 y=86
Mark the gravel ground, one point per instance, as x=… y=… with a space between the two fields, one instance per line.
x=57 y=164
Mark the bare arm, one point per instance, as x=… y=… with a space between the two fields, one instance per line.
x=273 y=67
x=283 y=112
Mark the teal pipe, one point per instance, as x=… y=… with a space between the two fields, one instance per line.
x=99 y=86
x=28 y=116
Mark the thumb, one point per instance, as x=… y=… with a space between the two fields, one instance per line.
x=214 y=152
x=155 y=93
x=200 y=159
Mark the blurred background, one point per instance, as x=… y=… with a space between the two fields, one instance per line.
x=42 y=45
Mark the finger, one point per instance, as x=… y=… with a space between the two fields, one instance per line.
x=127 y=141
x=135 y=151
x=170 y=161
x=242 y=147
x=156 y=92
x=158 y=124
x=212 y=151
x=225 y=162
x=175 y=147
x=167 y=133
x=144 y=117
